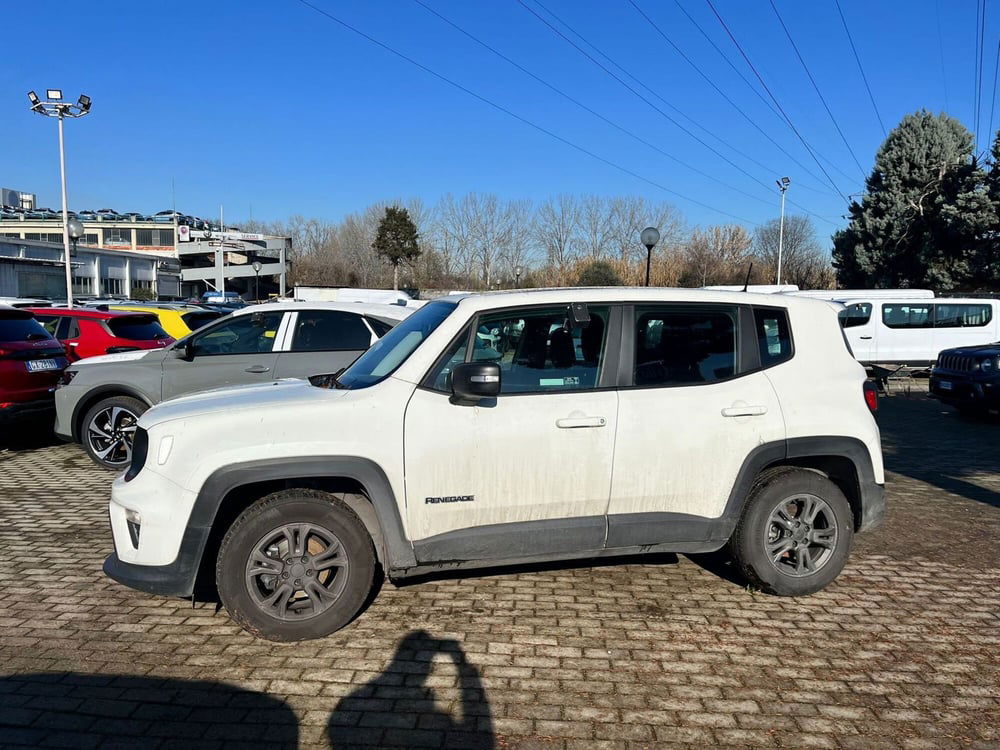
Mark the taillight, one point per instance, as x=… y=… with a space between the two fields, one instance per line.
x=871 y=395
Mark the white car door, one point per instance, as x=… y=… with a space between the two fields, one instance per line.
x=859 y=328
x=690 y=418
x=906 y=332
x=526 y=473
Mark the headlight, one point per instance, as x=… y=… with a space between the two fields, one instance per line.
x=988 y=364
x=67 y=377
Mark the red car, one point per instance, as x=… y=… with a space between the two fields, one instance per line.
x=31 y=363
x=90 y=332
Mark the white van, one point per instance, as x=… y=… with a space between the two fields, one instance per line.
x=911 y=331
x=839 y=295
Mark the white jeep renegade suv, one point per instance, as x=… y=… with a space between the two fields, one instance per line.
x=508 y=428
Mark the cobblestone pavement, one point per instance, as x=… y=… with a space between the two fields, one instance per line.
x=902 y=651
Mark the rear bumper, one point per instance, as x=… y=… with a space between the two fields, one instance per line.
x=29 y=410
x=873 y=507
x=964 y=391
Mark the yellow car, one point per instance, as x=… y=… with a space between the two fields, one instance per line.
x=178 y=320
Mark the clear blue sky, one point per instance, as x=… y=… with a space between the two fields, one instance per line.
x=268 y=104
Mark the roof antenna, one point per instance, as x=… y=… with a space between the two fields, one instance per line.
x=746 y=282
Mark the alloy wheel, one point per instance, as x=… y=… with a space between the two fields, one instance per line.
x=801 y=535
x=110 y=434
x=297 y=571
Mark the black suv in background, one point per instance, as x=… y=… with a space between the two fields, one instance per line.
x=968 y=378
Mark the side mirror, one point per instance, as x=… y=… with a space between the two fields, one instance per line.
x=185 y=350
x=473 y=381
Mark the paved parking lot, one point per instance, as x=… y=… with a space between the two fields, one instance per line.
x=903 y=651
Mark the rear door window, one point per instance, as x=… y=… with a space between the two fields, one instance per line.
x=330 y=331
x=137 y=328
x=962 y=316
x=684 y=344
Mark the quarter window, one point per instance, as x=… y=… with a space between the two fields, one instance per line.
x=916 y=315
x=242 y=334
x=684 y=345
x=774 y=336
x=962 y=316
x=330 y=330
x=538 y=350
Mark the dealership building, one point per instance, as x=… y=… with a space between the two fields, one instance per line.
x=170 y=255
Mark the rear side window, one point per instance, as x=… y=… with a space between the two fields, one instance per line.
x=774 y=335
x=330 y=331
x=137 y=328
x=20 y=327
x=916 y=315
x=195 y=320
x=962 y=316
x=684 y=345
x=50 y=323
x=855 y=315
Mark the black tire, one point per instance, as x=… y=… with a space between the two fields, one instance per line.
x=107 y=430
x=772 y=549
x=323 y=522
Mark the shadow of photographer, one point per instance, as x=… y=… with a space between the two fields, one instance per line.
x=414 y=703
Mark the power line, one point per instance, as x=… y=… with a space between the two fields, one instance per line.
x=583 y=106
x=816 y=87
x=775 y=100
x=624 y=83
x=861 y=68
x=514 y=115
x=721 y=93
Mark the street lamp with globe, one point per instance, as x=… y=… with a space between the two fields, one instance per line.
x=256 y=280
x=649 y=237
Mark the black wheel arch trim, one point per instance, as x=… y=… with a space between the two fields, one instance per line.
x=84 y=404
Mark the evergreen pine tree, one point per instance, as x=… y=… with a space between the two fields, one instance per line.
x=396 y=240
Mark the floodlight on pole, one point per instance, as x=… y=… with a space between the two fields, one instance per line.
x=782 y=184
x=649 y=237
x=54 y=106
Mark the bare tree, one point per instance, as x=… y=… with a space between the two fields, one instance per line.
x=557 y=231
x=803 y=260
x=595 y=227
x=716 y=255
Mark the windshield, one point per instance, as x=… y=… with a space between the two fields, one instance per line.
x=390 y=351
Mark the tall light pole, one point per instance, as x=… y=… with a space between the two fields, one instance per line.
x=54 y=106
x=649 y=237
x=783 y=184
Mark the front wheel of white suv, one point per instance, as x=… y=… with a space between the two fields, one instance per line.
x=295 y=565
x=795 y=533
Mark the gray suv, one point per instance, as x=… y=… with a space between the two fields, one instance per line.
x=100 y=398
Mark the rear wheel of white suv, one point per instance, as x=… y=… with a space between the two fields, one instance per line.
x=795 y=533
x=296 y=564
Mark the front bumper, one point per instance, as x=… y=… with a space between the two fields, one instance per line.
x=965 y=391
x=175 y=579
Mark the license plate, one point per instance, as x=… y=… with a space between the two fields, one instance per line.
x=37 y=365
x=944 y=385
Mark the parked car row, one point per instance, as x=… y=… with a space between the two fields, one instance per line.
x=108 y=214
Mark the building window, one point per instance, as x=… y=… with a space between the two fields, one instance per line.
x=118 y=236
x=112 y=286
x=32 y=236
x=154 y=237
x=90 y=239
x=11 y=234
x=141 y=284
x=83 y=284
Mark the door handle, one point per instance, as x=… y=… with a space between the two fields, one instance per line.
x=865 y=338
x=257 y=369
x=744 y=411
x=569 y=423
